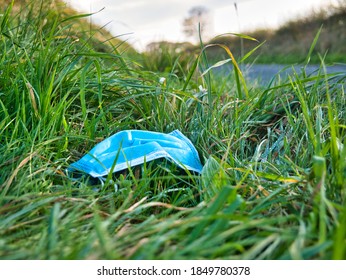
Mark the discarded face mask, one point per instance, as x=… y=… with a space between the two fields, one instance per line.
x=134 y=147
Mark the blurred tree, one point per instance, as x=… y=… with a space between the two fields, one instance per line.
x=198 y=16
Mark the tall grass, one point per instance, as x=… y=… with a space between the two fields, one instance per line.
x=273 y=182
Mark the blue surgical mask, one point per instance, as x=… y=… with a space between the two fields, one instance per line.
x=134 y=147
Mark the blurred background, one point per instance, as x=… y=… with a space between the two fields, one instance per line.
x=144 y=21
x=286 y=28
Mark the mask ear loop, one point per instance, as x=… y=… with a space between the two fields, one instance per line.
x=103 y=180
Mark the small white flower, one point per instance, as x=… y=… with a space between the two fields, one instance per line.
x=202 y=89
x=162 y=80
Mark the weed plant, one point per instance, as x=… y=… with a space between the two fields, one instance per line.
x=273 y=182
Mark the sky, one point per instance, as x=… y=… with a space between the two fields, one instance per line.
x=143 y=21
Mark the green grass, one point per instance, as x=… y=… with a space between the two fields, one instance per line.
x=273 y=183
